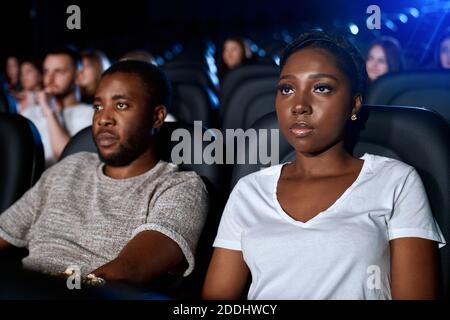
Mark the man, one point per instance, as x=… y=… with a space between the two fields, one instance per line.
x=124 y=214
x=58 y=113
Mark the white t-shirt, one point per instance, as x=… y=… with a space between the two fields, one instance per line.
x=343 y=252
x=73 y=119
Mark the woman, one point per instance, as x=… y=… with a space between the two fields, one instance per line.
x=384 y=55
x=12 y=74
x=327 y=225
x=443 y=54
x=31 y=80
x=234 y=54
x=93 y=65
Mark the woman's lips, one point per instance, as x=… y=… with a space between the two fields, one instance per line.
x=301 y=129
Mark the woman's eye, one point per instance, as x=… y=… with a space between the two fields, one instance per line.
x=122 y=106
x=285 y=90
x=322 y=89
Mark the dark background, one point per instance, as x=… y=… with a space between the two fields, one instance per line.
x=32 y=26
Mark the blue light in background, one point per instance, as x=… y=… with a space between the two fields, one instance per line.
x=414 y=12
x=403 y=17
x=353 y=28
x=391 y=25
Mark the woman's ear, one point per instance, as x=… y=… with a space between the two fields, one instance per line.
x=159 y=114
x=357 y=103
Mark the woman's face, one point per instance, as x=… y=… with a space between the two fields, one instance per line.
x=88 y=77
x=314 y=101
x=12 y=69
x=445 y=53
x=232 y=55
x=376 y=64
x=30 y=77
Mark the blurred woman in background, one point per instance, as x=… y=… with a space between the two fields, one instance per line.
x=235 y=53
x=31 y=81
x=384 y=55
x=12 y=74
x=443 y=52
x=93 y=65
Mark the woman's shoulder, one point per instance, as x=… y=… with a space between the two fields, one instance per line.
x=263 y=179
x=381 y=165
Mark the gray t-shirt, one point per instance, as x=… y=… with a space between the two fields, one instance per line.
x=76 y=215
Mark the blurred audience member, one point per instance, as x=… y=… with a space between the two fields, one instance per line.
x=93 y=64
x=31 y=81
x=384 y=55
x=12 y=74
x=59 y=114
x=443 y=52
x=235 y=53
x=139 y=55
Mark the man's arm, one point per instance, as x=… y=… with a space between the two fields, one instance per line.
x=414 y=269
x=148 y=255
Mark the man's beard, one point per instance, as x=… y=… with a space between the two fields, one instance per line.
x=137 y=144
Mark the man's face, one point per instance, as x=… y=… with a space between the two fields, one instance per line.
x=59 y=75
x=123 y=119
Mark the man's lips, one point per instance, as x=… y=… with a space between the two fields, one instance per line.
x=301 y=129
x=106 y=139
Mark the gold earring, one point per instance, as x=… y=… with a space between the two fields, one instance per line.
x=353 y=117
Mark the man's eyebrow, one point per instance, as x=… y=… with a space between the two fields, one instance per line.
x=97 y=99
x=121 y=96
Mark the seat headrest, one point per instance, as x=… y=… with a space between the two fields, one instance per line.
x=22 y=160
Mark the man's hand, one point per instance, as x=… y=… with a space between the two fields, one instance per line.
x=4 y=245
x=43 y=99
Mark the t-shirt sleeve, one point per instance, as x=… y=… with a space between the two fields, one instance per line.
x=232 y=223
x=180 y=212
x=17 y=220
x=412 y=216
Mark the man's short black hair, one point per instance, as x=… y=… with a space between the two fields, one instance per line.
x=156 y=81
x=70 y=51
x=347 y=56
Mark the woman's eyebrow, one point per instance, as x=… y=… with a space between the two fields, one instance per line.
x=322 y=75
x=287 y=76
x=311 y=76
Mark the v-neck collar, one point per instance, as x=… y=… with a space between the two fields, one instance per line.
x=284 y=215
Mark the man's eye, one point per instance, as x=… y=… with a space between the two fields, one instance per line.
x=285 y=90
x=121 y=106
x=322 y=89
x=97 y=107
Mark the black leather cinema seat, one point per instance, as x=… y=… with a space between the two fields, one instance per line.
x=22 y=158
x=250 y=101
x=416 y=136
x=4 y=99
x=429 y=89
x=212 y=176
x=235 y=78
